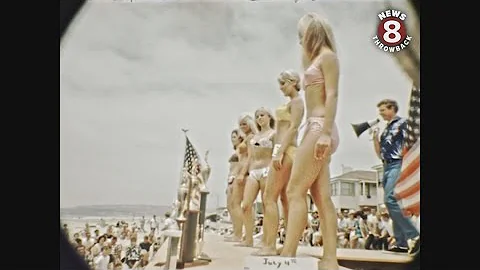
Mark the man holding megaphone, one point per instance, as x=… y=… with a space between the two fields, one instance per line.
x=389 y=148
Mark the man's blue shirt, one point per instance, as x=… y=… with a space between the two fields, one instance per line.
x=393 y=138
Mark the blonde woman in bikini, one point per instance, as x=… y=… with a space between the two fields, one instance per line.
x=260 y=148
x=248 y=128
x=288 y=117
x=311 y=165
x=236 y=138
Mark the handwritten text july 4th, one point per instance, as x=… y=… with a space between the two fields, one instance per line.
x=277 y=263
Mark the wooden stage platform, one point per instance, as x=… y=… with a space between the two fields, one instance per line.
x=362 y=258
x=226 y=256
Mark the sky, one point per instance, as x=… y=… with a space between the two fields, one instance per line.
x=133 y=75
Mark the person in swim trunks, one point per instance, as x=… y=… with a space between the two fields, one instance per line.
x=260 y=148
x=289 y=118
x=310 y=169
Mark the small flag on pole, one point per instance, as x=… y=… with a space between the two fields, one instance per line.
x=191 y=158
x=407 y=188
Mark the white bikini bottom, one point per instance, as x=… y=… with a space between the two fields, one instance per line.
x=258 y=174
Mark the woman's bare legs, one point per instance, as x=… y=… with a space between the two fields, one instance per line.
x=284 y=201
x=252 y=187
x=229 y=198
x=305 y=171
x=262 y=194
x=275 y=183
x=320 y=191
x=237 y=213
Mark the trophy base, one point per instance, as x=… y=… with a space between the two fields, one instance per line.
x=196 y=262
x=181 y=219
x=180 y=265
x=203 y=257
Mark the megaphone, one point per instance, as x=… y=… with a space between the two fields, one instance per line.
x=360 y=128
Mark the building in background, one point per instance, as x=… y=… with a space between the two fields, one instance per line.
x=354 y=189
x=379 y=169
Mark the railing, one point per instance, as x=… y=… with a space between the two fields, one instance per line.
x=171 y=237
x=172 y=251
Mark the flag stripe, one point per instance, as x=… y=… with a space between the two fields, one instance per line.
x=411 y=153
x=409 y=191
x=411 y=200
x=413 y=208
x=409 y=169
x=408 y=181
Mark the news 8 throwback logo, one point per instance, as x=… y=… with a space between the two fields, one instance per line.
x=391 y=31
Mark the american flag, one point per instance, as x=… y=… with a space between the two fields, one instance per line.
x=407 y=188
x=191 y=156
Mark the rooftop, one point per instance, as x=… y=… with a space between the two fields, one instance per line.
x=357 y=174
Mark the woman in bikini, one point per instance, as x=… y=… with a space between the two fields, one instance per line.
x=236 y=138
x=260 y=148
x=288 y=117
x=311 y=165
x=248 y=128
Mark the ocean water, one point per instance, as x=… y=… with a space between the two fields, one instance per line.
x=120 y=211
x=78 y=223
x=77 y=217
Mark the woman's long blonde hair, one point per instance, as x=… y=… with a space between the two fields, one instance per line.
x=292 y=76
x=250 y=122
x=315 y=32
x=272 y=120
